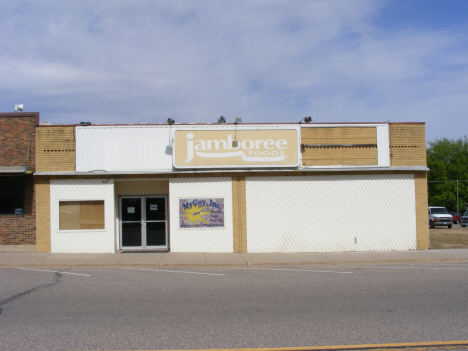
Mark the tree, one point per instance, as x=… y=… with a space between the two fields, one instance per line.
x=447 y=160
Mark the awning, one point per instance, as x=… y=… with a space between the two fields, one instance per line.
x=16 y=169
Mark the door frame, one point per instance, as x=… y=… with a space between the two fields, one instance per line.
x=143 y=223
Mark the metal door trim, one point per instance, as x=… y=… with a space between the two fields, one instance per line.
x=143 y=223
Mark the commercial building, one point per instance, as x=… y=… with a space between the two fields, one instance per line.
x=231 y=187
x=17 y=195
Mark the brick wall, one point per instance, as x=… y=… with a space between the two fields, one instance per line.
x=407 y=144
x=43 y=214
x=422 y=228
x=239 y=214
x=55 y=148
x=16 y=131
x=17 y=138
x=21 y=229
x=331 y=155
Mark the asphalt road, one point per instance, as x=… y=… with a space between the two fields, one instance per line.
x=121 y=309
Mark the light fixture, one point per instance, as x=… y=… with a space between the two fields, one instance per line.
x=170 y=121
x=19 y=107
x=306 y=119
x=238 y=120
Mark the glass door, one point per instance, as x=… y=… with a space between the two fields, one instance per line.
x=131 y=222
x=156 y=221
x=143 y=222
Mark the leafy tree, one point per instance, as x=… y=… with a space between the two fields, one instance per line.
x=447 y=160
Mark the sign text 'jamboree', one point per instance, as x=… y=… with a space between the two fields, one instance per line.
x=255 y=148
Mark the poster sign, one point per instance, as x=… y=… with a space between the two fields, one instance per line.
x=153 y=207
x=201 y=213
x=236 y=148
x=130 y=209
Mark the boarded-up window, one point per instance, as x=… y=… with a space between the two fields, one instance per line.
x=81 y=215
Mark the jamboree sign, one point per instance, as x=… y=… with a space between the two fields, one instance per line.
x=201 y=213
x=236 y=148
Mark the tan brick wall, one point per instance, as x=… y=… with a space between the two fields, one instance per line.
x=407 y=144
x=333 y=156
x=422 y=221
x=340 y=156
x=339 y=135
x=55 y=148
x=239 y=215
x=43 y=215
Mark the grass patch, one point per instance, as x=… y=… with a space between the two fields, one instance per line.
x=444 y=238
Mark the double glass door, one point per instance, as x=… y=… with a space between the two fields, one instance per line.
x=143 y=222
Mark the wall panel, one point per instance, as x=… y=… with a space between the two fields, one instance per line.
x=203 y=239
x=331 y=213
x=123 y=148
x=82 y=241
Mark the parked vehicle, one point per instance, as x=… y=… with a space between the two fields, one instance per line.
x=439 y=216
x=456 y=217
x=464 y=219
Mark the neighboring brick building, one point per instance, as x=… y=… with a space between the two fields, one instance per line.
x=17 y=185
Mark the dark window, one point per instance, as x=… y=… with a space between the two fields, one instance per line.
x=12 y=194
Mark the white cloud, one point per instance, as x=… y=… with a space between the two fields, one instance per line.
x=145 y=61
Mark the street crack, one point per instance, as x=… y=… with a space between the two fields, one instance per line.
x=57 y=277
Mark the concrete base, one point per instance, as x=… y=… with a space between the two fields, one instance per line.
x=18 y=248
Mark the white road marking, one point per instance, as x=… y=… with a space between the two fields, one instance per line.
x=435 y=268
x=293 y=270
x=61 y=272
x=165 y=270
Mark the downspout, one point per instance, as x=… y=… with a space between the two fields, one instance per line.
x=27 y=157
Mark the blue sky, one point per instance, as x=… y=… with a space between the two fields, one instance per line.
x=263 y=61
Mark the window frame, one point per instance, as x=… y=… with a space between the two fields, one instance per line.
x=82 y=230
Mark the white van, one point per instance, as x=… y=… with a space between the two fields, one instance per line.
x=439 y=216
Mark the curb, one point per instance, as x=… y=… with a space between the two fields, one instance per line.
x=246 y=265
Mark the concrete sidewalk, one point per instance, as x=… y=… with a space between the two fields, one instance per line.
x=161 y=260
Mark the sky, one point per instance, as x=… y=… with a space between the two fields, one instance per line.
x=113 y=62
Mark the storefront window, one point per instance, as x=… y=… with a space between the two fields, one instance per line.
x=81 y=215
x=12 y=194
